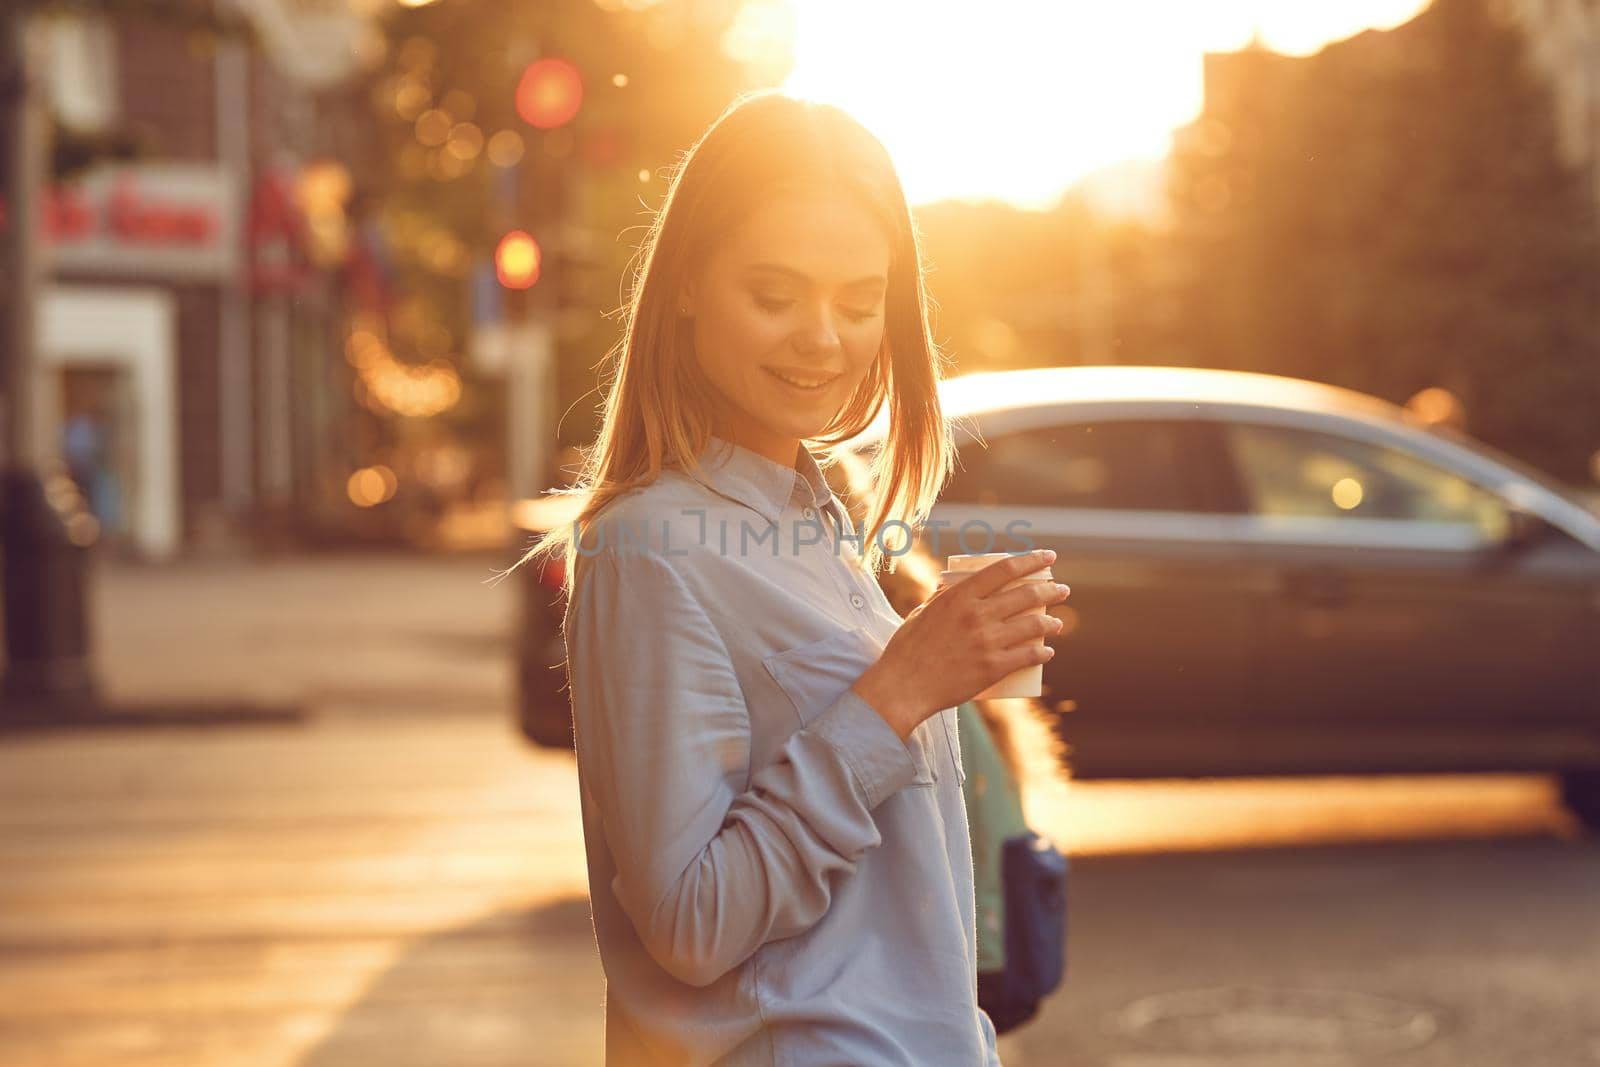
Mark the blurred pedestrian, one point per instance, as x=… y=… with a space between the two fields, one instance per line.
x=86 y=449
x=779 y=864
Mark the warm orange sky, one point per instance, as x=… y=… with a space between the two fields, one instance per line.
x=1016 y=99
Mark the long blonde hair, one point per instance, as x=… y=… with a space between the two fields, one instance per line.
x=658 y=405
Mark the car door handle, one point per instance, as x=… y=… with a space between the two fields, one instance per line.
x=1323 y=587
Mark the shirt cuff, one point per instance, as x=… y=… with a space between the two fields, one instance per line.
x=881 y=762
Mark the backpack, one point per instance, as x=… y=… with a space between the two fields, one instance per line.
x=1020 y=886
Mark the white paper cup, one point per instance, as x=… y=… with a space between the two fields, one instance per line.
x=1027 y=681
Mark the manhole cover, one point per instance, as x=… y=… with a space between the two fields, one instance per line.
x=1248 y=1019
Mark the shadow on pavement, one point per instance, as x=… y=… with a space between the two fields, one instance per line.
x=513 y=988
x=145 y=716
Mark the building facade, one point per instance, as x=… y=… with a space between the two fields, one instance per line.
x=185 y=331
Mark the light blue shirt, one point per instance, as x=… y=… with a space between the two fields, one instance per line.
x=776 y=878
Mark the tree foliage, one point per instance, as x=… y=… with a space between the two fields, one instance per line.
x=653 y=78
x=1393 y=213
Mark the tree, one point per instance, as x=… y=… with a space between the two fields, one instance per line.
x=449 y=167
x=1393 y=213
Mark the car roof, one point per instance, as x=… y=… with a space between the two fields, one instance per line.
x=975 y=395
x=982 y=393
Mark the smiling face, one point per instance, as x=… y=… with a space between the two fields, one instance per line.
x=788 y=316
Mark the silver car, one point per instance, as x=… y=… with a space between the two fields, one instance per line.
x=1274 y=576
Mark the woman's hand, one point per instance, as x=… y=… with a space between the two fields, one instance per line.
x=963 y=639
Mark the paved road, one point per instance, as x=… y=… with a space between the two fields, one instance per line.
x=395 y=879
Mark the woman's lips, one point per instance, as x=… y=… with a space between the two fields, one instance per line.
x=809 y=382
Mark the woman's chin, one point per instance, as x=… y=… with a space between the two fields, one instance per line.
x=790 y=420
x=803 y=430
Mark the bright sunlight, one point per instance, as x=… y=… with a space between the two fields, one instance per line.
x=1023 y=100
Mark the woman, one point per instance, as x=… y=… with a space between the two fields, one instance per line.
x=778 y=859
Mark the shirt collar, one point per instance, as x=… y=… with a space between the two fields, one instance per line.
x=759 y=483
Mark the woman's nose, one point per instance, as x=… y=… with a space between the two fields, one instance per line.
x=818 y=333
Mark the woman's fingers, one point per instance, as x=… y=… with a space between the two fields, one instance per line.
x=1014 y=659
x=1000 y=572
x=1027 y=628
x=1027 y=597
x=1003 y=647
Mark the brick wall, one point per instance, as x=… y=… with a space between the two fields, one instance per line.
x=168 y=89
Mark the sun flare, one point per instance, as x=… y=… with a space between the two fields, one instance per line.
x=1021 y=101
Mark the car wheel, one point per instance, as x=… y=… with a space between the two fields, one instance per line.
x=1580 y=791
x=544 y=711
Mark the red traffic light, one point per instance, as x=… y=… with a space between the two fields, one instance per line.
x=516 y=260
x=550 y=93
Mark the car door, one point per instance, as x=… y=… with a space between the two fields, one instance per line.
x=1164 y=620
x=1397 y=597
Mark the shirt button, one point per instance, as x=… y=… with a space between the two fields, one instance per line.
x=808 y=513
x=857 y=601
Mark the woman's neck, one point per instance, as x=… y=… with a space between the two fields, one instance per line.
x=779 y=449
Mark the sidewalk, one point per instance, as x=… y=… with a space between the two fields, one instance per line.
x=330 y=633
x=394 y=879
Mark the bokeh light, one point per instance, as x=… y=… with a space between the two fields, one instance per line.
x=1347 y=494
x=1438 y=407
x=549 y=93
x=389 y=387
x=433 y=127
x=411 y=98
x=371 y=486
x=465 y=142
x=516 y=260
x=322 y=189
x=83 y=529
x=505 y=148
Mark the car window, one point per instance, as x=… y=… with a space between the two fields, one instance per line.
x=1294 y=473
x=1135 y=465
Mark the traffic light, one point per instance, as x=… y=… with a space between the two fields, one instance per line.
x=517 y=259
x=549 y=93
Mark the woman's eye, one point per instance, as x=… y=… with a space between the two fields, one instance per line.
x=774 y=305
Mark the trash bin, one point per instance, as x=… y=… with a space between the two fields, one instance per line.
x=44 y=576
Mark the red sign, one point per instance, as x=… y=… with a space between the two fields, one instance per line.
x=150 y=219
x=128 y=214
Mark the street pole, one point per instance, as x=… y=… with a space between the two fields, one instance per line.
x=21 y=128
x=43 y=573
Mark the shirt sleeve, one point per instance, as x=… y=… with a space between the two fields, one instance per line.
x=705 y=874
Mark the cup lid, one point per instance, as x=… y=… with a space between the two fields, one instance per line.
x=975 y=562
x=1042 y=574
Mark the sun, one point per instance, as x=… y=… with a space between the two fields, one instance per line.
x=1017 y=99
